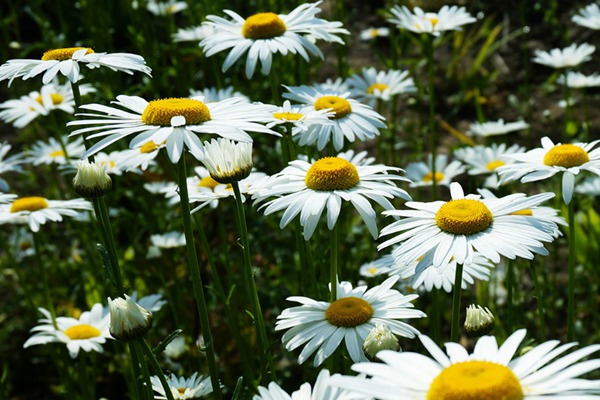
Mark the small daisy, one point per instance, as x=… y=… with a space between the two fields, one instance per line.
x=309 y=188
x=152 y=302
x=374 y=33
x=351 y=120
x=88 y=332
x=421 y=173
x=168 y=240
x=550 y=159
x=300 y=117
x=564 y=58
x=167 y=7
x=590 y=186
x=176 y=121
x=141 y=157
x=466 y=224
x=449 y=18
x=193 y=34
x=490 y=372
x=264 y=34
x=588 y=16
x=8 y=164
x=213 y=95
x=484 y=160
x=67 y=61
x=20 y=240
x=493 y=128
x=53 y=152
x=36 y=210
x=115 y=162
x=321 y=326
x=375 y=268
x=374 y=85
x=577 y=80
x=201 y=179
x=194 y=387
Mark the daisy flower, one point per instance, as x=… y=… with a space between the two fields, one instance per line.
x=152 y=302
x=550 y=159
x=201 y=179
x=227 y=161
x=88 y=332
x=421 y=173
x=577 y=80
x=176 y=121
x=588 y=16
x=67 y=61
x=321 y=326
x=8 y=164
x=449 y=18
x=264 y=34
x=309 y=188
x=168 y=240
x=193 y=34
x=36 y=210
x=490 y=372
x=115 y=162
x=590 y=186
x=484 y=160
x=564 y=58
x=375 y=268
x=350 y=119
x=167 y=7
x=465 y=224
x=194 y=387
x=141 y=157
x=299 y=117
x=53 y=152
x=20 y=240
x=374 y=33
x=493 y=128
x=374 y=85
x=213 y=95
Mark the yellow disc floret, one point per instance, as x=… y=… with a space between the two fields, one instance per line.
x=349 y=312
x=55 y=97
x=566 y=155
x=463 y=217
x=82 y=332
x=208 y=182
x=331 y=173
x=31 y=204
x=63 y=54
x=288 y=116
x=476 y=380
x=160 y=112
x=57 y=153
x=429 y=177
x=340 y=106
x=263 y=26
x=381 y=87
x=493 y=165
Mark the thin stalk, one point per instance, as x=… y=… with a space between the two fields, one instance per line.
x=110 y=243
x=197 y=284
x=143 y=372
x=290 y=142
x=274 y=86
x=44 y=279
x=567 y=94
x=510 y=282
x=571 y=284
x=156 y=368
x=456 y=303
x=540 y=300
x=432 y=130
x=76 y=94
x=436 y=315
x=333 y=262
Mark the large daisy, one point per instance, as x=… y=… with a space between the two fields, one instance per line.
x=67 y=61
x=372 y=85
x=264 y=34
x=36 y=211
x=350 y=120
x=489 y=373
x=309 y=188
x=550 y=159
x=484 y=160
x=176 y=121
x=448 y=18
x=321 y=326
x=465 y=224
x=194 y=387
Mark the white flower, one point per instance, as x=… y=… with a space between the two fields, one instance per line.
x=588 y=16
x=53 y=152
x=67 y=61
x=166 y=7
x=375 y=268
x=194 y=387
x=321 y=326
x=479 y=321
x=91 y=179
x=151 y=302
x=486 y=160
x=36 y=210
x=8 y=164
x=227 y=161
x=128 y=320
x=193 y=34
x=300 y=117
x=372 y=85
x=168 y=240
x=577 y=80
x=449 y=18
x=213 y=95
x=421 y=173
x=590 y=186
x=570 y=56
x=380 y=338
x=492 y=128
x=141 y=157
x=116 y=162
x=373 y=33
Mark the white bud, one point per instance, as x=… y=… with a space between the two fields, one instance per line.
x=128 y=320
x=227 y=161
x=91 y=179
x=480 y=321
x=380 y=338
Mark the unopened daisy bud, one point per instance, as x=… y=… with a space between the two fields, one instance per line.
x=91 y=179
x=128 y=320
x=227 y=161
x=479 y=321
x=380 y=338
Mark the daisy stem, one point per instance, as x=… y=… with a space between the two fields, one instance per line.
x=137 y=372
x=540 y=300
x=290 y=143
x=510 y=281
x=436 y=315
x=197 y=284
x=44 y=278
x=432 y=131
x=155 y=367
x=333 y=264
x=143 y=372
x=274 y=86
x=109 y=239
x=76 y=94
x=571 y=284
x=261 y=332
x=567 y=94
x=456 y=303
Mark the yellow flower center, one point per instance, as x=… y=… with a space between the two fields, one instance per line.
x=82 y=332
x=381 y=87
x=526 y=212
x=492 y=165
x=429 y=177
x=463 y=217
x=566 y=155
x=55 y=97
x=373 y=270
x=208 y=182
x=148 y=147
x=33 y=203
x=263 y=26
x=181 y=391
x=288 y=116
x=331 y=173
x=476 y=380
x=63 y=54
x=57 y=153
x=373 y=33
x=340 y=106
x=160 y=112
x=433 y=20
x=348 y=312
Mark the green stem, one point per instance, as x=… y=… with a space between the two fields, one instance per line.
x=156 y=368
x=436 y=315
x=44 y=279
x=540 y=300
x=571 y=284
x=509 y=295
x=333 y=263
x=456 y=303
x=567 y=94
x=76 y=94
x=432 y=130
x=274 y=85
x=110 y=243
x=194 y=267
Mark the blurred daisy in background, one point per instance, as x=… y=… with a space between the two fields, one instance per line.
x=194 y=387
x=115 y=163
x=577 y=80
x=193 y=34
x=421 y=174
x=321 y=326
x=374 y=33
x=377 y=267
x=590 y=186
x=589 y=16
x=140 y=157
x=11 y=163
x=213 y=95
x=448 y=18
x=372 y=85
x=36 y=210
x=484 y=160
x=570 y=56
x=493 y=128
x=264 y=34
x=165 y=7
x=168 y=240
x=299 y=117
x=53 y=152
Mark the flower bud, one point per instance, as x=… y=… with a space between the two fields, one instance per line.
x=227 y=161
x=91 y=179
x=479 y=321
x=380 y=338
x=128 y=320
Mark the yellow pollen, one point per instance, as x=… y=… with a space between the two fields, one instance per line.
x=492 y=165
x=63 y=54
x=340 y=106
x=381 y=87
x=288 y=116
x=82 y=332
x=263 y=26
x=372 y=270
x=475 y=380
x=433 y=20
x=148 y=147
x=526 y=212
x=463 y=217
x=429 y=177
x=57 y=153
x=208 y=182
x=331 y=173
x=33 y=203
x=160 y=112
x=55 y=97
x=349 y=312
x=566 y=155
